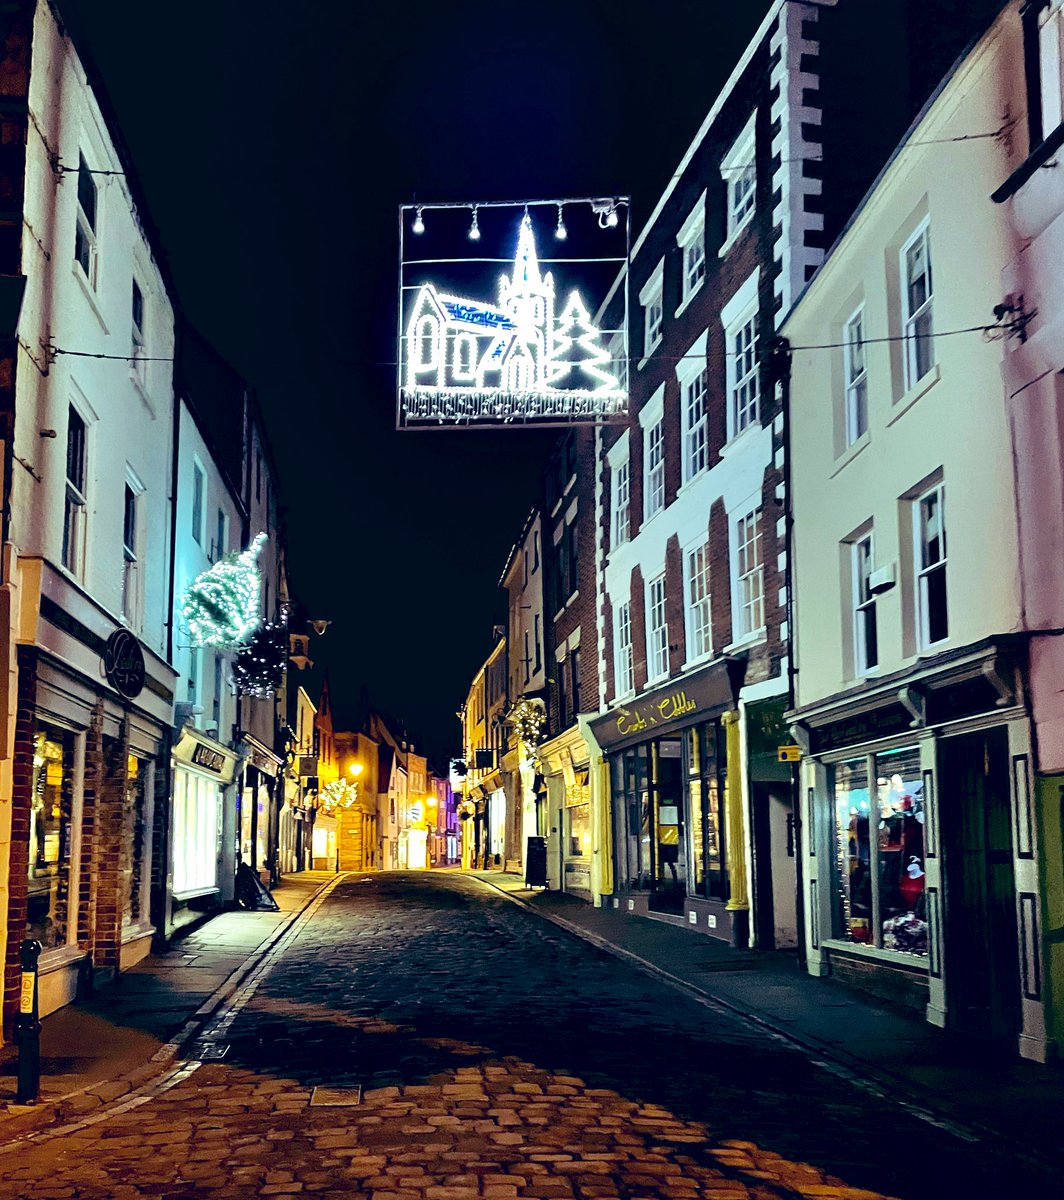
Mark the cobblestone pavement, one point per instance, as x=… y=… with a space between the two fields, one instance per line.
x=498 y=1058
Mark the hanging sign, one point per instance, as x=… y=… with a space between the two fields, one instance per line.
x=482 y=347
x=123 y=664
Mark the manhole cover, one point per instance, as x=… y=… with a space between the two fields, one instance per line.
x=206 y=1051
x=336 y=1097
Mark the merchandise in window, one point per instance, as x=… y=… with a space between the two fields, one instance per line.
x=579 y=821
x=134 y=852
x=703 y=765
x=51 y=828
x=197 y=830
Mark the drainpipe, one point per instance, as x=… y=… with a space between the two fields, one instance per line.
x=781 y=372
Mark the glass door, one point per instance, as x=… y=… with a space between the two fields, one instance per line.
x=667 y=810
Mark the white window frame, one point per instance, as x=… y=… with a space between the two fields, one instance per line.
x=88 y=230
x=855 y=375
x=138 y=334
x=911 y=318
x=698 y=602
x=651 y=297
x=922 y=571
x=132 y=576
x=738 y=169
x=692 y=373
x=1051 y=65
x=657 y=622
x=862 y=603
x=623 y=661
x=198 y=526
x=748 y=579
x=652 y=423
x=75 y=503
x=742 y=379
x=619 y=458
x=692 y=243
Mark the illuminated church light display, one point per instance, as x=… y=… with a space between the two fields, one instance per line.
x=524 y=358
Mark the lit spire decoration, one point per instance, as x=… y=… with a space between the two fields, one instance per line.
x=221 y=606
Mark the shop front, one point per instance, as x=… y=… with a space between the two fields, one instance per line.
x=565 y=807
x=88 y=784
x=259 y=803
x=921 y=863
x=678 y=825
x=199 y=879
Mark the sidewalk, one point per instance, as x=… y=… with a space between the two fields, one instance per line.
x=94 y=1043
x=903 y=1056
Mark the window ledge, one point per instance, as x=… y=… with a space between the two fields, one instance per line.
x=920 y=388
x=736 y=233
x=686 y=301
x=59 y=957
x=892 y=956
x=850 y=453
x=689 y=484
x=624 y=698
x=735 y=442
x=89 y=294
x=649 y=353
x=142 y=391
x=656 y=680
x=757 y=638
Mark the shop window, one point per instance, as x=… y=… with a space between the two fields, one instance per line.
x=932 y=614
x=135 y=841
x=51 y=828
x=197 y=803
x=74 y=506
x=917 y=306
x=578 y=820
x=865 y=632
x=880 y=851
x=704 y=806
x=856 y=375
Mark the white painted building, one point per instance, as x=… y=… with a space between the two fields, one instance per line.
x=920 y=848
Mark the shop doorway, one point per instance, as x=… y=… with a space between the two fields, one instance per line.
x=982 y=965
x=774 y=871
x=669 y=886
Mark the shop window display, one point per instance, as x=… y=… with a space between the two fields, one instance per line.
x=880 y=851
x=704 y=794
x=579 y=830
x=51 y=821
x=134 y=841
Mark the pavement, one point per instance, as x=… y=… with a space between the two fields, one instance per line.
x=439 y=1036
x=99 y=1047
x=988 y=1092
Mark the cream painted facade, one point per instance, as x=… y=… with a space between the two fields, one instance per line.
x=919 y=855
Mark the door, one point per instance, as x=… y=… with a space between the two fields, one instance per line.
x=670 y=876
x=982 y=950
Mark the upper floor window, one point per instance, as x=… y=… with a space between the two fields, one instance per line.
x=199 y=501
x=865 y=632
x=930 y=520
x=856 y=375
x=620 y=502
x=917 y=306
x=749 y=576
x=651 y=299
x=130 y=531
x=535 y=551
x=574 y=680
x=739 y=172
x=692 y=242
x=85 y=229
x=742 y=372
x=654 y=452
x=221 y=536
x=538 y=642
x=695 y=423
x=699 y=626
x=622 y=652
x=566 y=548
x=657 y=630
x=1050 y=67
x=137 y=327
x=216 y=699
x=74 y=505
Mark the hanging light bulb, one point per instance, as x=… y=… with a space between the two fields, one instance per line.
x=611 y=217
x=474 y=229
x=561 y=233
x=418 y=225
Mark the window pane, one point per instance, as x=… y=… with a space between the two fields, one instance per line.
x=900 y=851
x=87 y=192
x=51 y=816
x=76 y=450
x=853 y=850
x=134 y=851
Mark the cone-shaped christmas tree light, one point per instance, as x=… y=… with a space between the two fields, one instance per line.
x=221 y=606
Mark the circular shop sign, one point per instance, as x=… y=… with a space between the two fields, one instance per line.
x=123 y=663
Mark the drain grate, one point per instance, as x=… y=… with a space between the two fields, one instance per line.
x=336 y=1097
x=207 y=1051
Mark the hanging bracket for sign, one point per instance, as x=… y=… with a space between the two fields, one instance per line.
x=494 y=330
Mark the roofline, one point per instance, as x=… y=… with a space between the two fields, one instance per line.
x=714 y=112
x=533 y=513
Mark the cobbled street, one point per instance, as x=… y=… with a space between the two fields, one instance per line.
x=498 y=1057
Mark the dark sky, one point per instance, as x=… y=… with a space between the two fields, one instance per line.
x=274 y=143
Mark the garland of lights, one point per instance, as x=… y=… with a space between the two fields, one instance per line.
x=220 y=606
x=259 y=664
x=528 y=719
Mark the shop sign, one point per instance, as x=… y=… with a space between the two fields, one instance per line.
x=640 y=716
x=208 y=758
x=123 y=664
x=864 y=727
x=789 y=754
x=262 y=761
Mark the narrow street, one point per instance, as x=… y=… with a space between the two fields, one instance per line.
x=497 y=1057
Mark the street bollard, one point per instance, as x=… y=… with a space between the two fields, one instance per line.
x=28 y=1026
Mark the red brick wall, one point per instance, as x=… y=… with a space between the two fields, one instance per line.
x=21 y=794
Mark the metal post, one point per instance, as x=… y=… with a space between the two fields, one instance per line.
x=28 y=1026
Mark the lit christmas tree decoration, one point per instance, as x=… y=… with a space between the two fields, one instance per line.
x=259 y=665
x=221 y=606
x=528 y=718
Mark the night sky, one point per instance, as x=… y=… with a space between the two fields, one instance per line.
x=274 y=144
